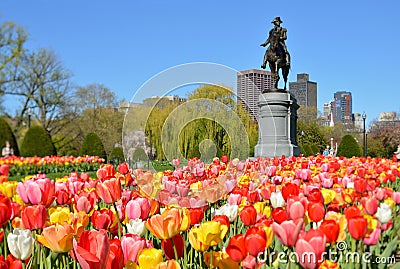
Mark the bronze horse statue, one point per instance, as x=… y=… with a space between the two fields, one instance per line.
x=277 y=56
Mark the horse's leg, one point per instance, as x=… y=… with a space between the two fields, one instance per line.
x=285 y=73
x=264 y=64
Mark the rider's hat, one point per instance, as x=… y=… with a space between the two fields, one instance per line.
x=278 y=19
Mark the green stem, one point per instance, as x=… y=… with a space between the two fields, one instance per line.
x=119 y=223
x=185 y=261
x=211 y=259
x=175 y=250
x=200 y=260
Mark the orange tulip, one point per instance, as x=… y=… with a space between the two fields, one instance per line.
x=57 y=237
x=220 y=260
x=166 y=225
x=109 y=190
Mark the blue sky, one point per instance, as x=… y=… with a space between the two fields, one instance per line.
x=343 y=45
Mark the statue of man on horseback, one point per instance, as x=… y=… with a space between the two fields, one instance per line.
x=277 y=54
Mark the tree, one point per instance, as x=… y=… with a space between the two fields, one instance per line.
x=6 y=134
x=313 y=135
x=349 y=147
x=12 y=40
x=383 y=138
x=42 y=84
x=37 y=142
x=93 y=146
x=96 y=109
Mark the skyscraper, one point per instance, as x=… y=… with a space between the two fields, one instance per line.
x=250 y=84
x=342 y=108
x=304 y=91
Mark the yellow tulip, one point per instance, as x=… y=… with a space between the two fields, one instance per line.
x=59 y=214
x=170 y=264
x=149 y=257
x=327 y=264
x=329 y=195
x=9 y=188
x=259 y=206
x=208 y=234
x=196 y=186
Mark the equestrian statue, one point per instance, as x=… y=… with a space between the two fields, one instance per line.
x=277 y=54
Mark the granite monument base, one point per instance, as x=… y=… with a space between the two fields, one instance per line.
x=277 y=125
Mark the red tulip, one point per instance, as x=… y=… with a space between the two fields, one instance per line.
x=248 y=215
x=92 y=250
x=360 y=185
x=310 y=247
x=109 y=190
x=5 y=210
x=315 y=196
x=34 y=217
x=224 y=159
x=4 y=170
x=288 y=231
x=223 y=219
x=168 y=247
x=123 y=168
x=316 y=211
x=331 y=230
x=255 y=241
x=236 y=249
x=352 y=211
x=116 y=256
x=106 y=171
x=196 y=215
x=279 y=214
x=104 y=219
x=289 y=190
x=358 y=227
x=63 y=197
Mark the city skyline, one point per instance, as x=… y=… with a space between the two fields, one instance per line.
x=123 y=45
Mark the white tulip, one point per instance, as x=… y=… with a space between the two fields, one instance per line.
x=384 y=213
x=136 y=226
x=231 y=211
x=277 y=199
x=20 y=243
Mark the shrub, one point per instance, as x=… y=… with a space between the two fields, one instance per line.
x=93 y=146
x=308 y=150
x=117 y=155
x=139 y=155
x=6 y=134
x=349 y=147
x=37 y=142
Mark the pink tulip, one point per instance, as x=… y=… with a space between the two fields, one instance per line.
x=131 y=245
x=169 y=185
x=183 y=188
x=325 y=167
x=380 y=193
x=370 y=205
x=288 y=231
x=138 y=208
x=295 y=210
x=327 y=182
x=234 y=199
x=309 y=247
x=249 y=262
x=373 y=237
x=37 y=191
x=396 y=197
x=84 y=203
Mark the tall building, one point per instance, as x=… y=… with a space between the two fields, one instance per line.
x=342 y=108
x=304 y=90
x=250 y=84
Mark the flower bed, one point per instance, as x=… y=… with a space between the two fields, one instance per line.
x=22 y=166
x=316 y=212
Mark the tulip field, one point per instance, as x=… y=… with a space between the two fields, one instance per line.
x=282 y=212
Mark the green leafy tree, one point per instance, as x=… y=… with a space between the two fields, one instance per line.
x=93 y=146
x=349 y=147
x=6 y=134
x=37 y=142
x=117 y=155
x=313 y=135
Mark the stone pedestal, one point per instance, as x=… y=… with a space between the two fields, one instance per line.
x=277 y=125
